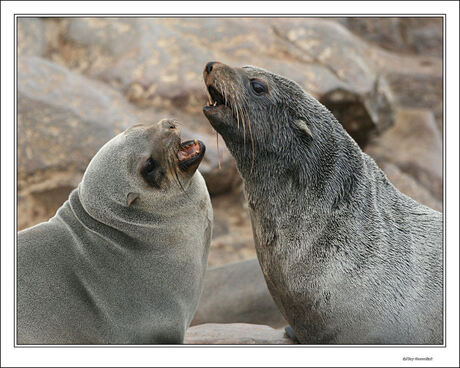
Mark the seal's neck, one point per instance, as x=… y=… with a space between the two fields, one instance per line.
x=126 y=227
x=152 y=211
x=320 y=172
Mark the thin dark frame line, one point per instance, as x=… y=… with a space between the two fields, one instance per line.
x=82 y=15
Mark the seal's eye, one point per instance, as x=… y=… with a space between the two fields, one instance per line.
x=152 y=173
x=257 y=87
x=150 y=166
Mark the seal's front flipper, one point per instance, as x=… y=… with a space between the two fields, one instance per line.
x=291 y=334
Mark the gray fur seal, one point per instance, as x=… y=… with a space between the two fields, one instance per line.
x=124 y=258
x=347 y=258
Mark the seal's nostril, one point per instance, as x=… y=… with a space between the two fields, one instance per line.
x=209 y=66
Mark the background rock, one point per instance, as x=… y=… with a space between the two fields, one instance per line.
x=63 y=119
x=232 y=232
x=237 y=293
x=31 y=37
x=414 y=145
x=410 y=187
x=158 y=62
x=235 y=333
x=407 y=35
x=418 y=92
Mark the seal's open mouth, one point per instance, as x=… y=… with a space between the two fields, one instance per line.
x=190 y=154
x=215 y=99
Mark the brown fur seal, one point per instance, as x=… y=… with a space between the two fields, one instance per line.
x=124 y=258
x=347 y=258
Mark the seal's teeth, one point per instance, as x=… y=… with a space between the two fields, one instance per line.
x=194 y=141
x=215 y=104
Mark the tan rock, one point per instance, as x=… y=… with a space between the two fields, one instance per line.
x=414 y=145
x=31 y=37
x=237 y=293
x=410 y=187
x=158 y=62
x=418 y=91
x=402 y=34
x=232 y=235
x=235 y=333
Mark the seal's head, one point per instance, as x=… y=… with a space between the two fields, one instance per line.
x=144 y=167
x=256 y=110
x=278 y=133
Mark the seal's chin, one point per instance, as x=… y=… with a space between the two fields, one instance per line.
x=218 y=109
x=189 y=155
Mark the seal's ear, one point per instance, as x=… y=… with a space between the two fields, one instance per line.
x=130 y=198
x=302 y=125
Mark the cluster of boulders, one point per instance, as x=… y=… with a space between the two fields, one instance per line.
x=83 y=80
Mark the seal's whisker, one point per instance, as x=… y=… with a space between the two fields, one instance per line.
x=252 y=145
x=237 y=117
x=227 y=100
x=246 y=114
x=243 y=120
x=173 y=168
x=218 y=150
x=234 y=104
x=235 y=109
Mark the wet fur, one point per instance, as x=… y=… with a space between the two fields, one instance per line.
x=347 y=258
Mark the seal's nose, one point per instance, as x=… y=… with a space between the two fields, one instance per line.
x=208 y=67
x=210 y=70
x=169 y=125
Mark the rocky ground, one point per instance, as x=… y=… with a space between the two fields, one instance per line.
x=235 y=333
x=83 y=80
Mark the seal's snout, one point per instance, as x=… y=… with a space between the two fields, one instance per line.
x=208 y=69
x=211 y=71
x=220 y=104
x=170 y=130
x=215 y=97
x=190 y=153
x=168 y=124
